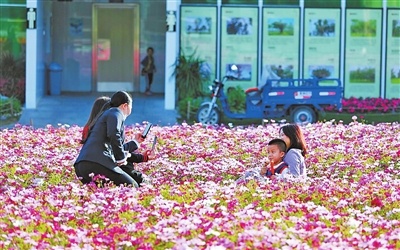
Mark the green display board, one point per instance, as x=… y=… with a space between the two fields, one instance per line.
x=280 y=44
x=199 y=34
x=321 y=43
x=322 y=4
x=252 y=2
x=393 y=3
x=364 y=3
x=282 y=2
x=239 y=39
x=363 y=52
x=199 y=1
x=393 y=54
x=13 y=1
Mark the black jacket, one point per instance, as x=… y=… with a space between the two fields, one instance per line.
x=105 y=143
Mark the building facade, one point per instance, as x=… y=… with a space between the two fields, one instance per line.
x=99 y=43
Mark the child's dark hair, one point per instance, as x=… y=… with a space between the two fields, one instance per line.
x=293 y=131
x=279 y=143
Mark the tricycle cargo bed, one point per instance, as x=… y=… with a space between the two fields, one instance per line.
x=304 y=91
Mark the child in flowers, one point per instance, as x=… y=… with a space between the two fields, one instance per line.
x=276 y=152
x=104 y=151
x=99 y=106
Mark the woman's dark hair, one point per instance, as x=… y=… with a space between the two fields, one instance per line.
x=99 y=105
x=97 y=108
x=293 y=131
x=150 y=48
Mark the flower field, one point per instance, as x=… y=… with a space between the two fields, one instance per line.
x=351 y=199
x=380 y=105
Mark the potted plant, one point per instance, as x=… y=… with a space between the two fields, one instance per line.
x=192 y=74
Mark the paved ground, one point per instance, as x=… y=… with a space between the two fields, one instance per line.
x=75 y=110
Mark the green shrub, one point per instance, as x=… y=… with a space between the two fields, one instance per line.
x=10 y=107
x=236 y=99
x=12 y=76
x=193 y=106
x=191 y=73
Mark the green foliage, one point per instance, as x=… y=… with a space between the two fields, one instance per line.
x=236 y=99
x=10 y=107
x=321 y=73
x=183 y=195
x=362 y=75
x=361 y=28
x=12 y=76
x=396 y=30
x=189 y=106
x=283 y=72
x=191 y=74
x=146 y=201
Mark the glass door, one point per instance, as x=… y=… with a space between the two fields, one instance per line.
x=115 y=47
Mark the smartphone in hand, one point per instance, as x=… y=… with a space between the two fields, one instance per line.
x=147 y=129
x=154 y=143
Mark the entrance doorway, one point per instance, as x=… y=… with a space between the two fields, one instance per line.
x=115 y=47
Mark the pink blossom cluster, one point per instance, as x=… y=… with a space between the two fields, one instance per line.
x=350 y=200
x=353 y=105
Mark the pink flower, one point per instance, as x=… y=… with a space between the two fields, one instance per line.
x=376 y=202
x=353 y=105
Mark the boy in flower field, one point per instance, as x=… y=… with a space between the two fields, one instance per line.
x=276 y=152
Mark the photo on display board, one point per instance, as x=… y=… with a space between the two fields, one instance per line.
x=322 y=27
x=363 y=28
x=205 y=69
x=198 y=25
x=239 y=26
x=362 y=74
x=395 y=75
x=396 y=28
x=280 y=26
x=320 y=71
x=243 y=72
x=278 y=71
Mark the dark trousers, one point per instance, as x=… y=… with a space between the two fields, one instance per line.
x=135 y=174
x=85 y=169
x=149 y=81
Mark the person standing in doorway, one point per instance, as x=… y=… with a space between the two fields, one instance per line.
x=148 y=69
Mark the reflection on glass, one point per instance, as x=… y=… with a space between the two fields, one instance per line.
x=12 y=30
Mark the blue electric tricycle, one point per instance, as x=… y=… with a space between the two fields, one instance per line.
x=300 y=99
